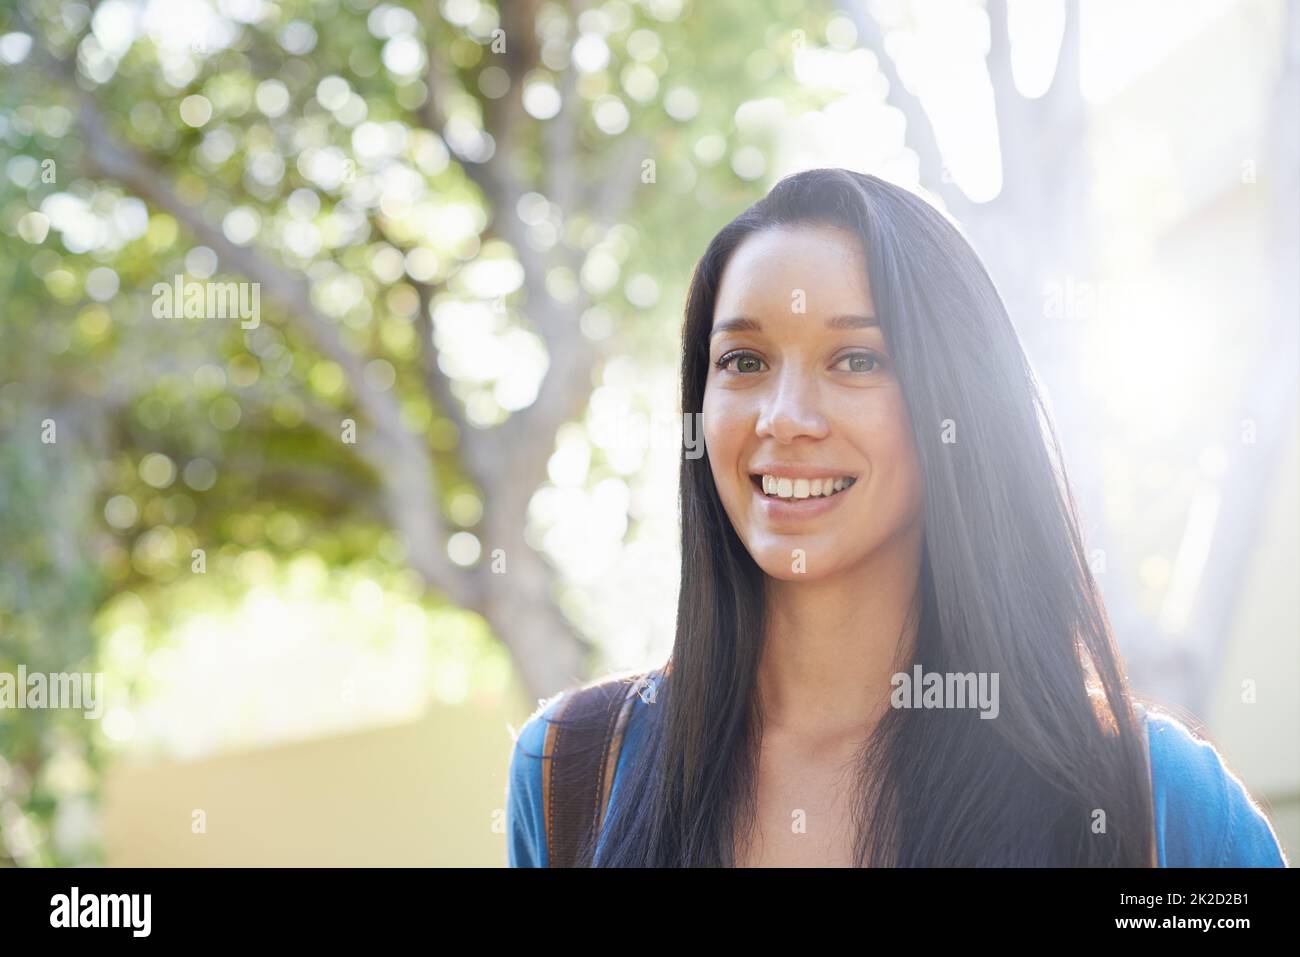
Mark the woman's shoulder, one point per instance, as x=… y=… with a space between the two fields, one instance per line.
x=624 y=685
x=525 y=813
x=525 y=817
x=1204 y=815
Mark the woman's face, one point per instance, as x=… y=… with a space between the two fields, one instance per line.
x=802 y=397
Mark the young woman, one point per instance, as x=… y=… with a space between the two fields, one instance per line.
x=890 y=650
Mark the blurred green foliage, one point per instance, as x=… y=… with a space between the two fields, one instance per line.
x=295 y=128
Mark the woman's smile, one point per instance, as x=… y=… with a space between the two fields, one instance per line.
x=790 y=495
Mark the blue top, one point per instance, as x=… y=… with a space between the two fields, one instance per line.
x=1204 y=815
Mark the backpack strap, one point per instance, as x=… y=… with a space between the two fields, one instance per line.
x=580 y=756
x=1146 y=754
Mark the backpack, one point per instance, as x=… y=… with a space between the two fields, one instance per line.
x=579 y=757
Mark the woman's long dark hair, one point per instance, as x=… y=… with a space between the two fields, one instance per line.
x=1059 y=776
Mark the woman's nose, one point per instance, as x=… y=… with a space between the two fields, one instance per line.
x=791 y=408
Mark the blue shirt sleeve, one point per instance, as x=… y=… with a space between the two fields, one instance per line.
x=1204 y=815
x=525 y=826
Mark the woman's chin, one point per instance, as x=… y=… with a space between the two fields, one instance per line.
x=795 y=564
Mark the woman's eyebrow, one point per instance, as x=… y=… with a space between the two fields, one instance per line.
x=745 y=324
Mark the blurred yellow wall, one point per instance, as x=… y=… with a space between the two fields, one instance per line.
x=425 y=793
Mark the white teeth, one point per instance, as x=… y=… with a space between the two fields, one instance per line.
x=803 y=488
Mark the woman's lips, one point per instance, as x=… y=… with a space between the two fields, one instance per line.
x=778 y=510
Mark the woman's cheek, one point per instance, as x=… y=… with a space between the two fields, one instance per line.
x=905 y=465
x=724 y=438
x=715 y=437
x=719 y=422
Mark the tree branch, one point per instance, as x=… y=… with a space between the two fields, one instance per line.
x=529 y=435
x=400 y=460
x=475 y=446
x=920 y=134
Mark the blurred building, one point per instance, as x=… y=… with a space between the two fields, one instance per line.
x=1204 y=147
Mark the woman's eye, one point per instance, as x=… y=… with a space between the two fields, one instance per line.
x=864 y=362
x=746 y=362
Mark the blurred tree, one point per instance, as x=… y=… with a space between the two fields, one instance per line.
x=1267 y=405
x=375 y=168
x=49 y=590
x=1036 y=234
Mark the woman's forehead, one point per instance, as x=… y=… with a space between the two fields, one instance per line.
x=808 y=270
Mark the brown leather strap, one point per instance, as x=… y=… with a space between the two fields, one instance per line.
x=580 y=757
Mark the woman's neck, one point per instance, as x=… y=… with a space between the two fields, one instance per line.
x=833 y=644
